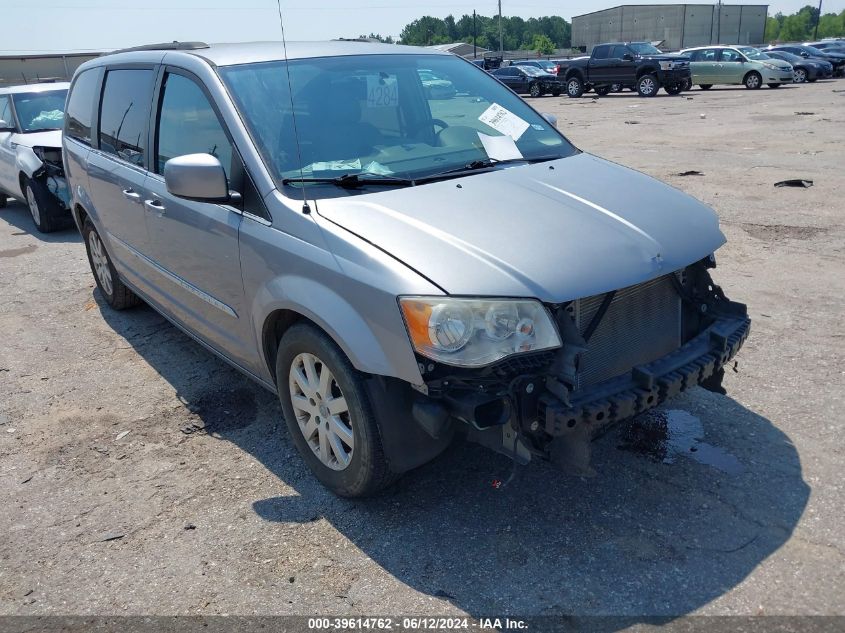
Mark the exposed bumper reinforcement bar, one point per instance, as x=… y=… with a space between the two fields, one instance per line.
x=647 y=385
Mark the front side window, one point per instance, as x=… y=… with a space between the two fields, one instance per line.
x=40 y=111
x=619 y=52
x=601 y=52
x=371 y=114
x=730 y=55
x=187 y=124
x=6 y=110
x=80 y=106
x=644 y=48
x=124 y=113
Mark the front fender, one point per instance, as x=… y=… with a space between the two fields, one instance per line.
x=26 y=161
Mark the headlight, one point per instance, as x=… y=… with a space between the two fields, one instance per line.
x=666 y=65
x=476 y=332
x=770 y=66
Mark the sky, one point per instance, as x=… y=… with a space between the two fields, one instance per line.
x=73 y=25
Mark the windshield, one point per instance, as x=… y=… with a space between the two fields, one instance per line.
x=783 y=55
x=642 y=48
x=39 y=111
x=373 y=114
x=752 y=53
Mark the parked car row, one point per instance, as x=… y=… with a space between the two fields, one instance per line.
x=331 y=220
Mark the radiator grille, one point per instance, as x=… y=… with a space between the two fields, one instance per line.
x=642 y=324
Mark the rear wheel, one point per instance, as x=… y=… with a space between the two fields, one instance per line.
x=116 y=294
x=674 y=89
x=574 y=87
x=753 y=80
x=602 y=91
x=647 y=85
x=40 y=207
x=329 y=415
x=535 y=90
x=705 y=86
x=615 y=87
x=799 y=75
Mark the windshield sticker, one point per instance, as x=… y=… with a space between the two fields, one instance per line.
x=382 y=91
x=500 y=147
x=504 y=121
x=334 y=165
x=538 y=127
x=377 y=168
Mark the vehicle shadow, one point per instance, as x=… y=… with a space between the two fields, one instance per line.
x=17 y=215
x=642 y=538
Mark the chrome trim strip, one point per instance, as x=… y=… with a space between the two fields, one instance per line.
x=176 y=279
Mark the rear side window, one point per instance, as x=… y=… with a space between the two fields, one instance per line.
x=80 y=106
x=187 y=124
x=125 y=112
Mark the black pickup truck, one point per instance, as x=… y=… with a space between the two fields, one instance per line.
x=637 y=65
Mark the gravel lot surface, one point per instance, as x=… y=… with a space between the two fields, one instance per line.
x=141 y=475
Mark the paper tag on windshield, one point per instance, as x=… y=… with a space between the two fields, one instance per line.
x=500 y=147
x=336 y=165
x=504 y=121
x=382 y=92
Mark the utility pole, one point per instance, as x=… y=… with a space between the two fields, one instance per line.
x=719 y=25
x=501 y=38
x=474 y=48
x=818 y=19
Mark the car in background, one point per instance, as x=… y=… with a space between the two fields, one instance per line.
x=736 y=65
x=635 y=65
x=31 y=119
x=528 y=80
x=811 y=52
x=834 y=46
x=543 y=64
x=436 y=87
x=804 y=69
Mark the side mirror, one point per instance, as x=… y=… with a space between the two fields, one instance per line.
x=5 y=126
x=551 y=118
x=197 y=177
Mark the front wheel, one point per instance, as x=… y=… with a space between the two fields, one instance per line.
x=329 y=415
x=753 y=80
x=534 y=90
x=647 y=85
x=705 y=86
x=116 y=294
x=799 y=75
x=38 y=201
x=674 y=89
x=574 y=87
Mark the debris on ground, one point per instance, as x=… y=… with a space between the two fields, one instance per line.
x=632 y=122
x=690 y=172
x=190 y=526
x=795 y=182
x=109 y=536
x=805 y=113
x=121 y=435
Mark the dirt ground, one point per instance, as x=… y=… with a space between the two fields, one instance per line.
x=141 y=475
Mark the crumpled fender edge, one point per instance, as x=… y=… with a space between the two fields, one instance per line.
x=26 y=161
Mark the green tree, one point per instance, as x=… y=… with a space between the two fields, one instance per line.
x=772 y=29
x=543 y=45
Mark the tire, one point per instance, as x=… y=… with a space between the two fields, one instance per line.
x=686 y=84
x=674 y=89
x=2 y=201
x=647 y=85
x=556 y=92
x=813 y=80
x=364 y=470
x=753 y=80
x=773 y=85
x=38 y=199
x=535 y=90
x=116 y=294
x=615 y=87
x=602 y=91
x=705 y=86
x=799 y=75
x=574 y=87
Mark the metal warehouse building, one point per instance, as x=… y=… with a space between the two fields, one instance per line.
x=26 y=68
x=676 y=25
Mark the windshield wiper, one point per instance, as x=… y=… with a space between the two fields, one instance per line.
x=353 y=181
x=486 y=164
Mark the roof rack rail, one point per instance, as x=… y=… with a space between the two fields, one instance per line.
x=164 y=46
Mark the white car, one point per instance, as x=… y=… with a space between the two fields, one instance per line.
x=31 y=120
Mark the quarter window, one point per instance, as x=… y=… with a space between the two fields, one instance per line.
x=124 y=113
x=187 y=124
x=80 y=106
x=6 y=110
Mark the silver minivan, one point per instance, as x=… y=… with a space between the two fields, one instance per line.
x=396 y=267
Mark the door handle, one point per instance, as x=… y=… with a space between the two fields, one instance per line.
x=155 y=205
x=129 y=194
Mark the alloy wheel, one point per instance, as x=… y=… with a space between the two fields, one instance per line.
x=753 y=81
x=799 y=76
x=321 y=411
x=572 y=87
x=101 y=262
x=33 y=205
x=647 y=85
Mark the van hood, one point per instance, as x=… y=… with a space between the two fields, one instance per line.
x=50 y=138
x=556 y=231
